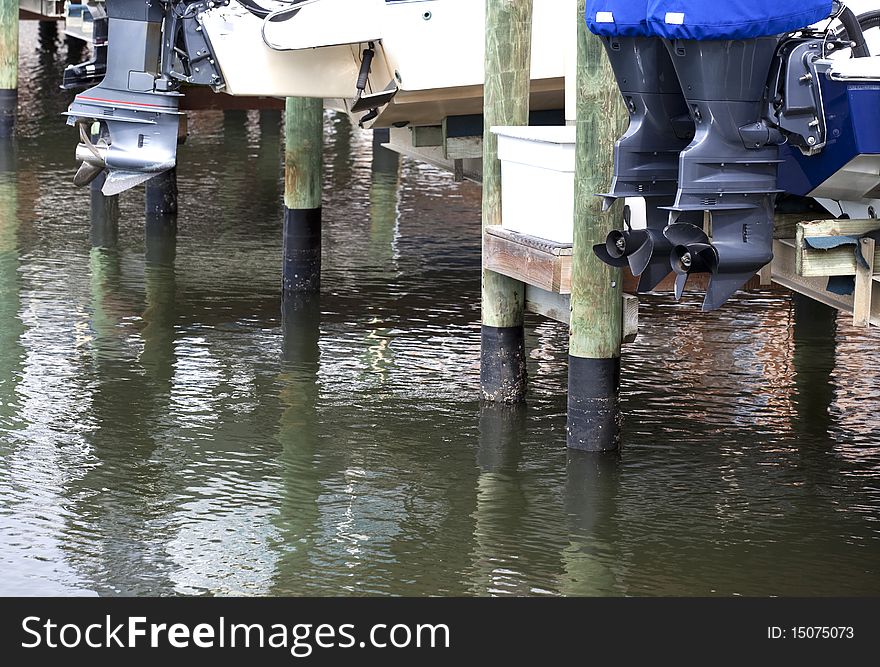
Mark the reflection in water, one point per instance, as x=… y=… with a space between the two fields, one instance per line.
x=592 y=484
x=10 y=324
x=168 y=427
x=501 y=501
x=298 y=434
x=814 y=333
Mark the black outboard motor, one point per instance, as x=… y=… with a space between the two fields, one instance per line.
x=646 y=157
x=730 y=167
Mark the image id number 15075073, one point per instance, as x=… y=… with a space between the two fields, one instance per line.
x=811 y=632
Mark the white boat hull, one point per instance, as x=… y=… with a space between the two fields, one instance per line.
x=431 y=50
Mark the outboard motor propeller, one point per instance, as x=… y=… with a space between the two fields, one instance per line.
x=138 y=124
x=692 y=253
x=645 y=251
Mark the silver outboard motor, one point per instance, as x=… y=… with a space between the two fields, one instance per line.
x=136 y=135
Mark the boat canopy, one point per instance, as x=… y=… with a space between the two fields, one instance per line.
x=703 y=19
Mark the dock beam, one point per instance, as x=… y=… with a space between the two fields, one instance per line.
x=506 y=102
x=8 y=66
x=303 y=166
x=596 y=289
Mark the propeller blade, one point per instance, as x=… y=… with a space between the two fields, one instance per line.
x=602 y=253
x=120 y=181
x=639 y=259
x=627 y=217
x=680 y=281
x=707 y=258
x=86 y=173
x=684 y=233
x=654 y=273
x=721 y=288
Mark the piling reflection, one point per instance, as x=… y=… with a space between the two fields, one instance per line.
x=591 y=559
x=501 y=501
x=299 y=514
x=11 y=326
x=103 y=215
x=120 y=495
x=384 y=188
x=813 y=357
x=339 y=135
x=160 y=289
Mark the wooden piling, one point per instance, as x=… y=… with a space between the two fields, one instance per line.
x=596 y=297
x=104 y=214
x=303 y=167
x=161 y=194
x=8 y=65
x=505 y=102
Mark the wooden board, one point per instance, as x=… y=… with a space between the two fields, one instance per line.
x=557 y=307
x=864 y=288
x=785 y=273
x=810 y=262
x=534 y=261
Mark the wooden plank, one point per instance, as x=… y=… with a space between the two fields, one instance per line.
x=527 y=263
x=785 y=224
x=810 y=262
x=427 y=135
x=630 y=318
x=545 y=245
x=785 y=273
x=864 y=286
x=459 y=148
x=557 y=307
x=551 y=305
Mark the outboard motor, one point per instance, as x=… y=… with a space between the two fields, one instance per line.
x=138 y=123
x=646 y=156
x=722 y=54
x=730 y=167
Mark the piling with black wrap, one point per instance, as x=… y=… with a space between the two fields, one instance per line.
x=104 y=214
x=506 y=102
x=161 y=194
x=596 y=297
x=303 y=167
x=8 y=66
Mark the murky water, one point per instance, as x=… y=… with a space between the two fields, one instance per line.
x=166 y=429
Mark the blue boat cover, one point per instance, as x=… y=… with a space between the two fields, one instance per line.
x=703 y=19
x=618 y=18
